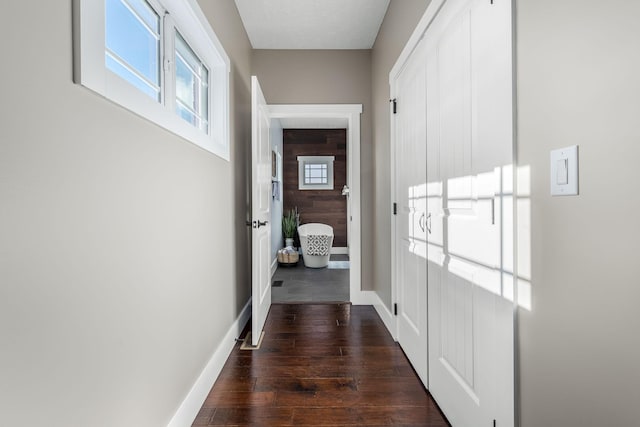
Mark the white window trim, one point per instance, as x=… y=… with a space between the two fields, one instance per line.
x=328 y=160
x=90 y=71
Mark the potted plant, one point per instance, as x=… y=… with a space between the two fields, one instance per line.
x=289 y=227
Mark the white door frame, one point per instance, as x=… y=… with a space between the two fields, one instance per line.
x=350 y=112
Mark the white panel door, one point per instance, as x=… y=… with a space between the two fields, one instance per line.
x=469 y=152
x=260 y=215
x=411 y=220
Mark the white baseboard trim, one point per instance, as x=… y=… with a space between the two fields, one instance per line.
x=339 y=250
x=274 y=266
x=362 y=297
x=191 y=405
x=372 y=298
x=385 y=314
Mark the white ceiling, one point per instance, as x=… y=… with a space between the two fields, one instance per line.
x=312 y=24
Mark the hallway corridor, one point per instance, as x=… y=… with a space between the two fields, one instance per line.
x=320 y=364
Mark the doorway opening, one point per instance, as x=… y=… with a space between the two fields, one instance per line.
x=323 y=142
x=315 y=194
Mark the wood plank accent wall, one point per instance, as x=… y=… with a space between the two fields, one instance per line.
x=324 y=206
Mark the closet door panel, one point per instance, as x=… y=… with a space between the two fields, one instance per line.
x=411 y=221
x=469 y=133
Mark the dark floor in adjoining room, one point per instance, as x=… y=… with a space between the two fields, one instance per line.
x=303 y=284
x=320 y=365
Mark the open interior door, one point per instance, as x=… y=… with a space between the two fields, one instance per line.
x=260 y=215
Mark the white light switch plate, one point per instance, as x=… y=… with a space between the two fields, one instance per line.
x=564 y=171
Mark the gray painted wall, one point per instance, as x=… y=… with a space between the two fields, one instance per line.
x=579 y=83
x=119 y=271
x=327 y=77
x=398 y=25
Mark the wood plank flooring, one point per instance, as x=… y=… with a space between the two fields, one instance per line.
x=320 y=365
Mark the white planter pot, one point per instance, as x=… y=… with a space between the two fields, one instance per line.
x=288 y=242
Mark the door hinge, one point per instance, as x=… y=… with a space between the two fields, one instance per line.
x=395 y=208
x=395 y=309
x=394 y=101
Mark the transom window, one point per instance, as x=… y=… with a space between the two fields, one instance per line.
x=159 y=59
x=315 y=172
x=132 y=45
x=192 y=86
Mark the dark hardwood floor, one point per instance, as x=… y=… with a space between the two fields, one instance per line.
x=320 y=365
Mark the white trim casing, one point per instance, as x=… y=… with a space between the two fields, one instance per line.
x=392 y=169
x=352 y=113
x=190 y=406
